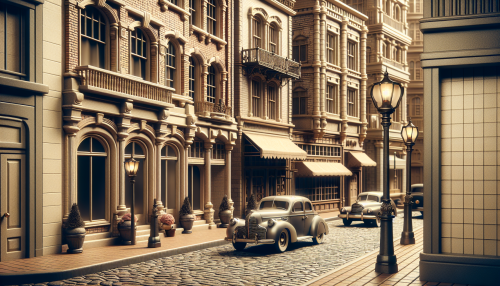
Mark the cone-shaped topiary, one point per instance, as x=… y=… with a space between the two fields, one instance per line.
x=74 y=218
x=186 y=208
x=251 y=205
x=224 y=206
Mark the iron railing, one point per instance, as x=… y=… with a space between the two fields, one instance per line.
x=284 y=66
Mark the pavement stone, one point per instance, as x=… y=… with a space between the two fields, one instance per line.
x=256 y=265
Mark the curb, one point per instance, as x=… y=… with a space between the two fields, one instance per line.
x=332 y=218
x=25 y=278
x=348 y=263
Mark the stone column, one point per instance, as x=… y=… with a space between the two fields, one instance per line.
x=121 y=172
x=364 y=96
x=229 y=148
x=209 y=207
x=316 y=113
x=159 y=204
x=323 y=89
x=72 y=161
x=343 y=78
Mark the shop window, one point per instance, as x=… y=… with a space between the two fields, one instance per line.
x=194 y=187
x=299 y=102
x=91 y=179
x=318 y=188
x=318 y=150
x=168 y=170
x=170 y=69
x=13 y=41
x=139 y=55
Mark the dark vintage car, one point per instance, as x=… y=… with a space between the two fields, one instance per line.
x=417 y=192
x=365 y=209
x=279 y=220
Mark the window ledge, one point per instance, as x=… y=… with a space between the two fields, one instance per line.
x=220 y=42
x=258 y=120
x=202 y=34
x=166 y=5
x=182 y=99
x=354 y=73
x=24 y=85
x=333 y=67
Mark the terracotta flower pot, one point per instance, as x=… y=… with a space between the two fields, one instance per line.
x=170 y=232
x=187 y=222
x=75 y=238
x=125 y=229
x=225 y=217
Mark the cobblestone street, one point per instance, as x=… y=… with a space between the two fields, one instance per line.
x=256 y=265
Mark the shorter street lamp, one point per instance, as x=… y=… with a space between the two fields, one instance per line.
x=386 y=96
x=131 y=167
x=409 y=134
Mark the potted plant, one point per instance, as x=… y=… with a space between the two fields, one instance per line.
x=167 y=221
x=186 y=216
x=125 y=228
x=251 y=205
x=75 y=231
x=224 y=213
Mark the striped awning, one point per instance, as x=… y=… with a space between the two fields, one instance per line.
x=276 y=147
x=315 y=169
x=360 y=159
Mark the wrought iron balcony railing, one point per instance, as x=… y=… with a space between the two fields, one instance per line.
x=110 y=83
x=270 y=63
x=210 y=107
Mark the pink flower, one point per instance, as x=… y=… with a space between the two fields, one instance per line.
x=167 y=219
x=127 y=216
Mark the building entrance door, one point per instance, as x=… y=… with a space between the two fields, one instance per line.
x=353 y=188
x=12 y=206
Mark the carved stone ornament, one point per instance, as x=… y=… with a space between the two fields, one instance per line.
x=164 y=114
x=408 y=199
x=146 y=20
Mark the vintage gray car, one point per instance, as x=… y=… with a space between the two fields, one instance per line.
x=279 y=220
x=417 y=192
x=366 y=209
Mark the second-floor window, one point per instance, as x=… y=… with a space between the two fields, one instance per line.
x=299 y=102
x=170 y=65
x=212 y=17
x=273 y=39
x=416 y=106
x=138 y=53
x=93 y=37
x=256 y=96
x=418 y=71
x=331 y=44
x=192 y=11
x=13 y=35
x=192 y=70
x=299 y=50
x=412 y=70
x=351 y=56
x=271 y=105
x=257 y=33
x=218 y=150
x=332 y=98
x=352 y=102
x=211 y=85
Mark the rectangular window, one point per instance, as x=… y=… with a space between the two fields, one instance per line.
x=299 y=53
x=271 y=94
x=317 y=150
x=273 y=40
x=211 y=18
x=191 y=78
x=318 y=189
x=351 y=56
x=332 y=98
x=211 y=85
x=352 y=103
x=139 y=55
x=299 y=102
x=256 y=92
x=192 y=11
x=13 y=33
x=257 y=36
x=331 y=45
x=197 y=149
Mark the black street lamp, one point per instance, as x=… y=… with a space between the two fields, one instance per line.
x=131 y=167
x=386 y=96
x=409 y=134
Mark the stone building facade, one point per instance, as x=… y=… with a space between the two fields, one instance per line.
x=329 y=101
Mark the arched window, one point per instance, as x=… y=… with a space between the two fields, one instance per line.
x=415 y=102
x=397 y=13
x=274 y=39
x=136 y=150
x=388 y=7
x=272 y=100
x=91 y=181
x=212 y=17
x=412 y=72
x=211 y=85
x=170 y=69
x=93 y=38
x=139 y=55
x=169 y=176
x=192 y=81
x=257 y=32
x=256 y=97
x=299 y=102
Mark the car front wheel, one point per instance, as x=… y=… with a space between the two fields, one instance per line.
x=318 y=238
x=239 y=245
x=346 y=222
x=282 y=243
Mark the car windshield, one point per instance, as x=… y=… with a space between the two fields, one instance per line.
x=282 y=205
x=368 y=198
x=418 y=189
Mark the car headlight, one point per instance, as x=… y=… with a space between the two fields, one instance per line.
x=271 y=222
x=369 y=211
x=343 y=210
x=233 y=221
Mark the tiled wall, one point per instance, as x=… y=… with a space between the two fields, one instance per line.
x=470 y=161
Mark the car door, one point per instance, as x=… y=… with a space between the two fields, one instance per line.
x=308 y=217
x=297 y=217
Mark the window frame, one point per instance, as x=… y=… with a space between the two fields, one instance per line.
x=171 y=70
x=300 y=50
x=257 y=33
x=212 y=19
x=274 y=41
x=332 y=98
x=192 y=74
x=212 y=89
x=302 y=102
x=352 y=102
x=26 y=68
x=256 y=97
x=272 y=103
x=164 y=188
x=331 y=48
x=352 y=55
x=106 y=49
x=146 y=58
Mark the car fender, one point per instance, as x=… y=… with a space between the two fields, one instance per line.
x=273 y=232
x=319 y=225
x=230 y=228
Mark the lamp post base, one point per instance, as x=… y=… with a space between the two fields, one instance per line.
x=407 y=237
x=386 y=264
x=154 y=242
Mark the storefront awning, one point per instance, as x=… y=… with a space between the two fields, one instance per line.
x=400 y=163
x=359 y=159
x=315 y=169
x=276 y=147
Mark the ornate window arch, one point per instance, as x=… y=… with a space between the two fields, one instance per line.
x=94 y=47
x=397 y=13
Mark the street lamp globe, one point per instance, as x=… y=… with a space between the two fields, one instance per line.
x=409 y=133
x=131 y=167
x=386 y=95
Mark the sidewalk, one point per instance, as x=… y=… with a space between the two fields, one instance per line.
x=63 y=266
x=362 y=270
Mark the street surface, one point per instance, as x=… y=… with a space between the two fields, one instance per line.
x=256 y=265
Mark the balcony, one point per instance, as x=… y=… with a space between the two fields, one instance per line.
x=216 y=111
x=105 y=82
x=393 y=23
x=392 y=63
x=257 y=60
